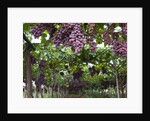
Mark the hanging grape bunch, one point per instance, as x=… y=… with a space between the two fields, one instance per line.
x=75 y=85
x=106 y=38
x=72 y=34
x=41 y=27
x=120 y=48
x=41 y=79
x=91 y=36
x=93 y=46
x=124 y=28
x=42 y=64
x=62 y=34
x=33 y=60
x=76 y=38
x=77 y=75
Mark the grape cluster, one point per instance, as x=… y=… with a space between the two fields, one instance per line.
x=93 y=71
x=62 y=34
x=41 y=27
x=75 y=85
x=42 y=64
x=70 y=34
x=92 y=43
x=41 y=79
x=76 y=38
x=93 y=46
x=106 y=38
x=77 y=75
x=124 y=29
x=91 y=37
x=121 y=24
x=33 y=59
x=120 y=48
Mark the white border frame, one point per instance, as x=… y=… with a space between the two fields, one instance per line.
x=18 y=104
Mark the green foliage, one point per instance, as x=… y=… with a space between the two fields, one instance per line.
x=57 y=58
x=26 y=26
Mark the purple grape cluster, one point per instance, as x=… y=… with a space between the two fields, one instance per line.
x=75 y=85
x=33 y=60
x=93 y=71
x=91 y=37
x=124 y=29
x=42 y=64
x=77 y=75
x=106 y=38
x=62 y=34
x=41 y=27
x=93 y=46
x=120 y=48
x=70 y=34
x=76 y=38
x=41 y=79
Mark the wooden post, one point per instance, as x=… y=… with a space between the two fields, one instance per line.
x=28 y=74
x=28 y=65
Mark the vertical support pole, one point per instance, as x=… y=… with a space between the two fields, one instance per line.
x=28 y=74
x=117 y=85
